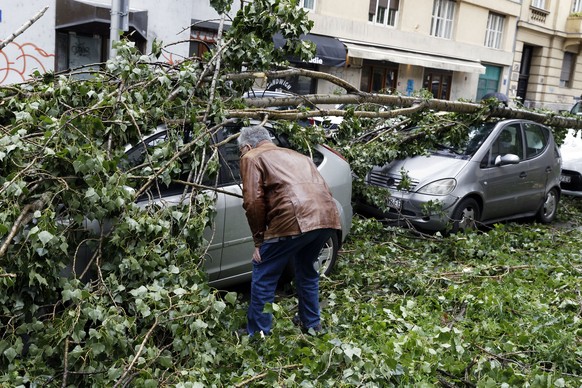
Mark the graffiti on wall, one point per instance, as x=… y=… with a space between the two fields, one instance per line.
x=18 y=61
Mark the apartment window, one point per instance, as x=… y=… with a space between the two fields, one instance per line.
x=308 y=4
x=494 y=30
x=577 y=6
x=567 y=70
x=442 y=18
x=541 y=4
x=384 y=12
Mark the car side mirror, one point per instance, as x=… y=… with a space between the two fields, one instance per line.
x=502 y=160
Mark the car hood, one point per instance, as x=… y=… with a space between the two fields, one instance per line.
x=423 y=169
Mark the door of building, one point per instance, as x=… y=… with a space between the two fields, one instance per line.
x=524 y=71
x=488 y=82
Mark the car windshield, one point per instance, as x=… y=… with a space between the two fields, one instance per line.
x=476 y=136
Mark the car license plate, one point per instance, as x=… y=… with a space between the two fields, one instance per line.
x=394 y=203
x=565 y=178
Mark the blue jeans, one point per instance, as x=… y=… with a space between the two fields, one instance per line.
x=304 y=250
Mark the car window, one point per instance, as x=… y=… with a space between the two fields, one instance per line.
x=536 y=139
x=136 y=156
x=508 y=141
x=576 y=109
x=230 y=155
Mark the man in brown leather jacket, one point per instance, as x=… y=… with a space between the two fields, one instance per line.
x=291 y=213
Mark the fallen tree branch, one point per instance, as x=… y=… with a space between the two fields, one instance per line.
x=23 y=28
x=23 y=219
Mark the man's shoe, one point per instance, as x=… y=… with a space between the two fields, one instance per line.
x=297 y=321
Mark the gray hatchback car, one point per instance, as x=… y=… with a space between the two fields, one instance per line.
x=506 y=170
x=231 y=244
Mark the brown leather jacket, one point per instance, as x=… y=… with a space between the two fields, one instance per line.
x=284 y=194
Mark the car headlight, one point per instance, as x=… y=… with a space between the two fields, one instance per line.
x=440 y=187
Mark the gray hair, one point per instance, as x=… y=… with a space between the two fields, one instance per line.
x=253 y=136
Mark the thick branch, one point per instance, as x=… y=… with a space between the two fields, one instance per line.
x=24 y=27
x=23 y=219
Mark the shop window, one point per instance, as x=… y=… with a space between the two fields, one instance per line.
x=576 y=6
x=297 y=84
x=379 y=78
x=438 y=83
x=82 y=52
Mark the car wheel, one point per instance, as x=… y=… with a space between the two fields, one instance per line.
x=328 y=256
x=466 y=216
x=549 y=208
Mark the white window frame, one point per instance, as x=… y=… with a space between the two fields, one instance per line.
x=307 y=4
x=386 y=16
x=576 y=6
x=443 y=13
x=494 y=30
x=541 y=4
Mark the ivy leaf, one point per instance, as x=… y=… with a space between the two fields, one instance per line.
x=45 y=237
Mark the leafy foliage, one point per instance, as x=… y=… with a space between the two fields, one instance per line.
x=481 y=309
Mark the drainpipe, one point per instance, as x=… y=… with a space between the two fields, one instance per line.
x=119 y=22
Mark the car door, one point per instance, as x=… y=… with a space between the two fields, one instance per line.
x=172 y=194
x=237 y=244
x=538 y=164
x=504 y=186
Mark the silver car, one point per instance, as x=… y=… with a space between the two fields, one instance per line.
x=506 y=170
x=231 y=247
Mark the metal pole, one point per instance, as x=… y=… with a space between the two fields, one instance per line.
x=115 y=26
x=119 y=22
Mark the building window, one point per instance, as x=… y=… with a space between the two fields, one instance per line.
x=308 y=4
x=567 y=70
x=81 y=53
x=577 y=6
x=541 y=4
x=384 y=12
x=442 y=18
x=376 y=78
x=494 y=30
x=438 y=82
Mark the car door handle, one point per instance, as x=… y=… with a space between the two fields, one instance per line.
x=523 y=174
x=548 y=169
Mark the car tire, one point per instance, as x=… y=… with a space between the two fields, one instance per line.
x=549 y=208
x=466 y=216
x=328 y=256
x=324 y=264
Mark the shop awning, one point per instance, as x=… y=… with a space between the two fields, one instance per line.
x=329 y=51
x=88 y=17
x=412 y=58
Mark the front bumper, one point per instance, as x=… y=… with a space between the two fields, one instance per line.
x=412 y=210
x=571 y=183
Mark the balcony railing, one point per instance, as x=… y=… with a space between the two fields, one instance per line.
x=538 y=15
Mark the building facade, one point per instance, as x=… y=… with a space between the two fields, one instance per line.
x=456 y=49
x=546 y=72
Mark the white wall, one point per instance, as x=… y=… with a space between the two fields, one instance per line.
x=32 y=50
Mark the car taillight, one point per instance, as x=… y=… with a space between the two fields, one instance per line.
x=311 y=121
x=334 y=151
